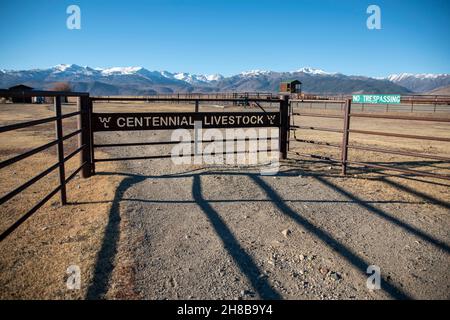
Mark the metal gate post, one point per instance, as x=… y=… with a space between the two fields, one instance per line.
x=84 y=139
x=284 y=128
x=60 y=149
x=91 y=136
x=345 y=134
x=196 y=137
x=196 y=105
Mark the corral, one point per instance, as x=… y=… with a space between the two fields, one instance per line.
x=233 y=218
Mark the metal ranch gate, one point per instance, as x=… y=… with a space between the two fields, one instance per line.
x=90 y=122
x=101 y=122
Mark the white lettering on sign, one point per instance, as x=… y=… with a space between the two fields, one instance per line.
x=148 y=121
x=121 y=122
x=136 y=122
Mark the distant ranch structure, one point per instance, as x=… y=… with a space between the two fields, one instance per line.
x=21 y=88
x=24 y=98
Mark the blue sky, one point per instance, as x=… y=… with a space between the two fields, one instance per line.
x=229 y=36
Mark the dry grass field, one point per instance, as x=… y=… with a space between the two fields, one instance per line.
x=35 y=257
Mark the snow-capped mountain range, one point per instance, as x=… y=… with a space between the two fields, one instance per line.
x=421 y=76
x=139 y=80
x=421 y=82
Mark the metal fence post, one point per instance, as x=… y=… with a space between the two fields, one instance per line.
x=345 y=135
x=84 y=139
x=60 y=149
x=91 y=134
x=284 y=128
x=196 y=137
x=196 y=105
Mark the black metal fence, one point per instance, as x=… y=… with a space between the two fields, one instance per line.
x=83 y=144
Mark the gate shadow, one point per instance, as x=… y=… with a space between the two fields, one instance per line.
x=325 y=237
x=244 y=261
x=104 y=264
x=105 y=259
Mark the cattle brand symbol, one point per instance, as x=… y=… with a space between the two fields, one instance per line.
x=271 y=119
x=105 y=121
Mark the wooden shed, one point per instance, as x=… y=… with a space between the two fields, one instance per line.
x=21 y=88
x=291 y=86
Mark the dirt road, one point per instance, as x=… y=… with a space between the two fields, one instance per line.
x=191 y=232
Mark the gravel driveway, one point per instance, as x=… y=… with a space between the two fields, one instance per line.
x=230 y=233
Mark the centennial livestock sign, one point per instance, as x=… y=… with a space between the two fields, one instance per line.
x=161 y=121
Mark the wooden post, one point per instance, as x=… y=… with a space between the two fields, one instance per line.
x=84 y=139
x=345 y=135
x=284 y=128
x=60 y=149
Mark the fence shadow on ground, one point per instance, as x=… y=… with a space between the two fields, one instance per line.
x=104 y=264
x=106 y=256
x=244 y=261
x=385 y=177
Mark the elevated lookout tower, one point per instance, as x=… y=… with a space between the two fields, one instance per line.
x=291 y=86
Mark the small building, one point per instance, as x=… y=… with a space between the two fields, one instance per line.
x=21 y=88
x=291 y=86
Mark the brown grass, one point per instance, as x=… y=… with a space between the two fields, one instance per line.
x=35 y=256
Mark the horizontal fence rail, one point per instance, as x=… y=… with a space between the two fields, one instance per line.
x=155 y=143
x=399 y=135
x=154 y=99
x=27 y=124
x=37 y=93
x=217 y=95
x=398 y=117
x=409 y=104
x=165 y=156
